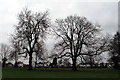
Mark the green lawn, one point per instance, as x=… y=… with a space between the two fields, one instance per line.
x=60 y=73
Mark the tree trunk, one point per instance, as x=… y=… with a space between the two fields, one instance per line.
x=30 y=62
x=36 y=64
x=74 y=68
x=3 y=64
x=91 y=62
x=36 y=61
x=16 y=64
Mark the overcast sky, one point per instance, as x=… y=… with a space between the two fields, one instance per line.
x=104 y=13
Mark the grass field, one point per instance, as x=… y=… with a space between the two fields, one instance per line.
x=60 y=73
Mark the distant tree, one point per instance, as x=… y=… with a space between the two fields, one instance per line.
x=30 y=30
x=39 y=52
x=60 y=62
x=4 y=53
x=99 y=45
x=115 y=50
x=66 y=62
x=55 y=61
x=74 y=33
x=15 y=51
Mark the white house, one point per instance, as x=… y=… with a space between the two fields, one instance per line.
x=20 y=64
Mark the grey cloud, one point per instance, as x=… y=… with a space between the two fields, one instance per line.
x=104 y=13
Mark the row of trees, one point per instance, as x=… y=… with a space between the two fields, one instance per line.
x=77 y=38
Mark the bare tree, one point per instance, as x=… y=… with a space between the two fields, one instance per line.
x=4 y=53
x=75 y=33
x=30 y=29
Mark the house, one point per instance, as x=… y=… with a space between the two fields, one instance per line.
x=39 y=65
x=25 y=65
x=46 y=64
x=9 y=64
x=20 y=64
x=42 y=64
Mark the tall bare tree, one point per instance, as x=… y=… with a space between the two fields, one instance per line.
x=75 y=33
x=30 y=29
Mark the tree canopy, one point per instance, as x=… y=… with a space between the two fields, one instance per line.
x=78 y=37
x=30 y=29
